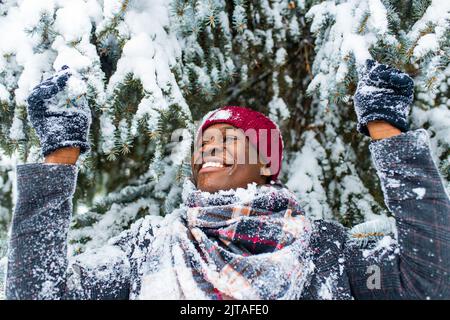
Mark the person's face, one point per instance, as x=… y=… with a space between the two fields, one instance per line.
x=224 y=159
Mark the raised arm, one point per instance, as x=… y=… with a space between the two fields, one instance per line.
x=38 y=266
x=419 y=267
x=415 y=194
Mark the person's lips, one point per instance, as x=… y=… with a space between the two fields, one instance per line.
x=211 y=168
x=212 y=165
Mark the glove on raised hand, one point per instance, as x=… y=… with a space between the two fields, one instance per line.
x=60 y=115
x=383 y=93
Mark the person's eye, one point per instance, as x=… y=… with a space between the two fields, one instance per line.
x=205 y=141
x=229 y=139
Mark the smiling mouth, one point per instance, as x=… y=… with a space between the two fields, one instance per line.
x=211 y=166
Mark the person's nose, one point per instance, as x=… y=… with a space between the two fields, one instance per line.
x=212 y=149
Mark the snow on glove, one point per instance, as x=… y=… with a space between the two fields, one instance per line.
x=59 y=112
x=383 y=93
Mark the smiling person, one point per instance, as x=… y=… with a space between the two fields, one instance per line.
x=236 y=146
x=240 y=233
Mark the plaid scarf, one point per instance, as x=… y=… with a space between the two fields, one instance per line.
x=245 y=244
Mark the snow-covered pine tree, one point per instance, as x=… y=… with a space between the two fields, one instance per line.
x=156 y=66
x=410 y=35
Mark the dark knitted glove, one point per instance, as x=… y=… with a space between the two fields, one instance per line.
x=383 y=93
x=59 y=112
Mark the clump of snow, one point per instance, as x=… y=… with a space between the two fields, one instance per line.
x=328 y=287
x=111 y=8
x=280 y=56
x=246 y=194
x=377 y=18
x=72 y=21
x=357 y=45
x=76 y=87
x=427 y=43
x=16 y=132
x=94 y=258
x=4 y=94
x=221 y=115
x=241 y=195
x=386 y=245
x=393 y=183
x=420 y=192
x=181 y=148
x=108 y=130
x=278 y=109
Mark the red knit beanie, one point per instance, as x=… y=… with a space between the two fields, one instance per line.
x=267 y=140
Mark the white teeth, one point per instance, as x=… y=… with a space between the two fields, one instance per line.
x=212 y=164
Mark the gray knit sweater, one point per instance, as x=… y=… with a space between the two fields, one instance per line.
x=416 y=266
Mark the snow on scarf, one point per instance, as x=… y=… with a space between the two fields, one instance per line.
x=241 y=244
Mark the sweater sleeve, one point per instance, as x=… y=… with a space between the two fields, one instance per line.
x=38 y=265
x=418 y=266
